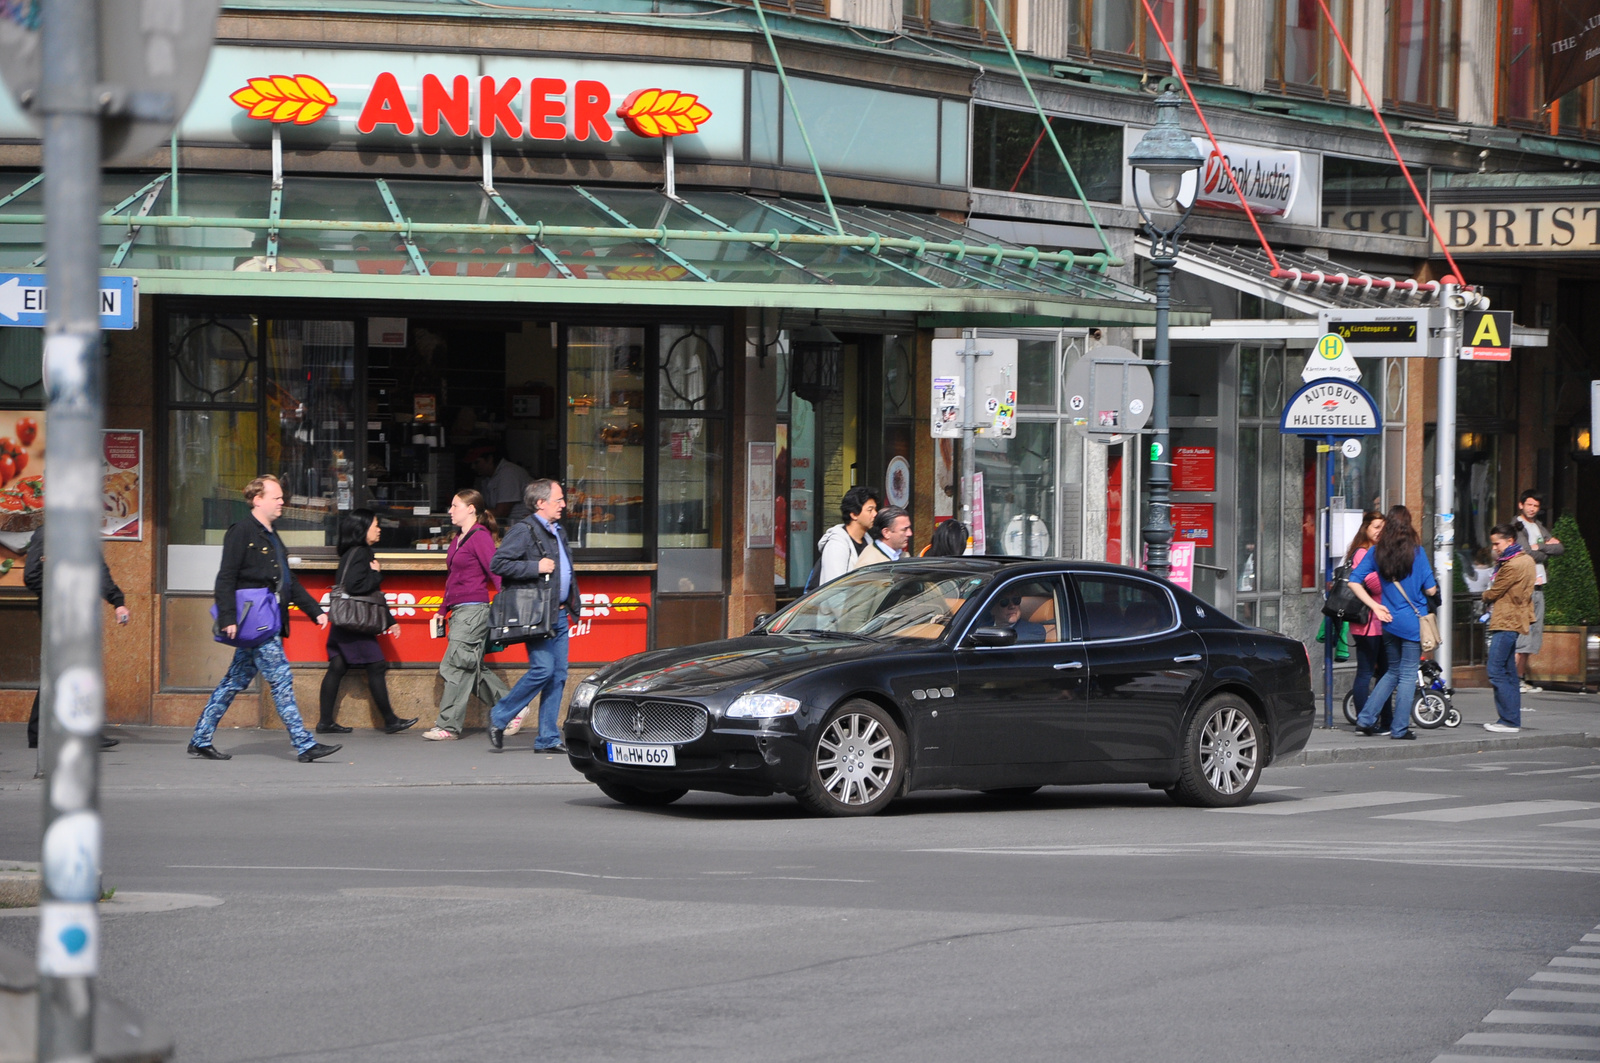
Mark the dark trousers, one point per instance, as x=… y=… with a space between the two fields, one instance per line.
x=376 y=683
x=1371 y=663
x=33 y=723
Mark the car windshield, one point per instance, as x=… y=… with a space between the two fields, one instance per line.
x=904 y=600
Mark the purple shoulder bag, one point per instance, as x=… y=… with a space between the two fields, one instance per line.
x=259 y=618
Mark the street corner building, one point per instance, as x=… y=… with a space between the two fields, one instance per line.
x=696 y=260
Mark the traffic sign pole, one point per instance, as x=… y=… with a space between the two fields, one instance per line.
x=72 y=708
x=1444 y=498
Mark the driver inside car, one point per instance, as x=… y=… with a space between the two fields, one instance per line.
x=1006 y=611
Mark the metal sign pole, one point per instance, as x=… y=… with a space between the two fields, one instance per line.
x=73 y=699
x=1331 y=628
x=1444 y=442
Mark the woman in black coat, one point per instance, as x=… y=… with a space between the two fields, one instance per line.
x=359 y=574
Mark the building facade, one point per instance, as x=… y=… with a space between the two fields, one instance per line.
x=391 y=236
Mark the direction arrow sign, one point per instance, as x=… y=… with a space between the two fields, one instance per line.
x=24 y=302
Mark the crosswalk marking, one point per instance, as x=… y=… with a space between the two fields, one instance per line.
x=1583 y=948
x=1502 y=810
x=1544 y=1018
x=1555 y=996
x=1555 y=771
x=1334 y=802
x=1574 y=961
x=1264 y=788
x=1570 y=979
x=1484 y=1059
x=1587 y=824
x=1571 y=1042
x=1590 y=937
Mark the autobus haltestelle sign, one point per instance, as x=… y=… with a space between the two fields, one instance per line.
x=1331 y=407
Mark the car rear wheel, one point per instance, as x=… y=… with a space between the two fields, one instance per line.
x=1221 y=759
x=624 y=794
x=858 y=760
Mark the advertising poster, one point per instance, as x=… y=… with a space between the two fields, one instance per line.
x=1180 y=560
x=613 y=621
x=980 y=538
x=1194 y=468
x=22 y=443
x=122 y=484
x=1193 y=523
x=759 y=493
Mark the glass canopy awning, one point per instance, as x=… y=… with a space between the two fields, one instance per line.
x=347 y=238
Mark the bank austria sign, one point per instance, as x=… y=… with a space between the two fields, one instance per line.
x=1270 y=179
x=321 y=98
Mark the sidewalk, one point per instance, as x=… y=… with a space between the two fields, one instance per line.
x=154 y=757
x=1551 y=718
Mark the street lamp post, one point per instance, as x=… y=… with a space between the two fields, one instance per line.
x=1165 y=155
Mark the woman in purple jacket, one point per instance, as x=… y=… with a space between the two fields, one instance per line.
x=468 y=586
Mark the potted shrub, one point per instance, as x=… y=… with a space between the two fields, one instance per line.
x=1571 y=605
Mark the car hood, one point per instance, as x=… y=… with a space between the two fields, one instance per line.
x=735 y=666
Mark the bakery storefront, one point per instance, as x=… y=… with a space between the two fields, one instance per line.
x=383 y=340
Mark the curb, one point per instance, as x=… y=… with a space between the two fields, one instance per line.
x=1423 y=749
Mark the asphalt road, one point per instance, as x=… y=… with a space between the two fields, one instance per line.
x=1353 y=912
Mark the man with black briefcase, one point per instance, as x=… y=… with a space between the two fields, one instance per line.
x=534 y=558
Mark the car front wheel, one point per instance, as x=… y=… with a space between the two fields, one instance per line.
x=858 y=760
x=1221 y=759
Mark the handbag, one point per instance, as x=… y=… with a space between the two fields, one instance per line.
x=259 y=618
x=361 y=614
x=1427 y=624
x=1342 y=603
x=522 y=612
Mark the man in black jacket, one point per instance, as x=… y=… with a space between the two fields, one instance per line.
x=33 y=579
x=254 y=556
x=534 y=550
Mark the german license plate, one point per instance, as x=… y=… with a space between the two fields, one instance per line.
x=642 y=756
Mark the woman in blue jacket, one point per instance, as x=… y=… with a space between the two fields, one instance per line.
x=1405 y=579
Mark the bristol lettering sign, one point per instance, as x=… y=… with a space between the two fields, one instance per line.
x=1520 y=228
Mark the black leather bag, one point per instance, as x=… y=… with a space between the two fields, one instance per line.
x=361 y=614
x=522 y=612
x=1342 y=605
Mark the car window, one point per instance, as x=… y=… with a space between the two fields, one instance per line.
x=882 y=601
x=1034 y=608
x=1115 y=607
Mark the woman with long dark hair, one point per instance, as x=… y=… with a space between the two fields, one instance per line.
x=359 y=574
x=1368 y=638
x=468 y=587
x=1405 y=579
x=949 y=540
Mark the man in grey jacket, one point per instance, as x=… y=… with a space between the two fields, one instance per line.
x=840 y=544
x=1541 y=546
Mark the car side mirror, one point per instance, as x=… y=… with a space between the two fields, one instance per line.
x=761 y=618
x=993 y=636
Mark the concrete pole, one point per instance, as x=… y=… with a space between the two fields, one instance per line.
x=73 y=707
x=1444 y=484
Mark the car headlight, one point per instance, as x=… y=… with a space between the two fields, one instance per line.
x=585 y=693
x=762 y=706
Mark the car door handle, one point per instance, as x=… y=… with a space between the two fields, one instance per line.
x=1068 y=665
x=1186 y=658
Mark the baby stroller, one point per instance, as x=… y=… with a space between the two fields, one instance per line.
x=1433 y=707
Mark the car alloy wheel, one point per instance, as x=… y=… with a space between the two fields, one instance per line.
x=1222 y=751
x=858 y=762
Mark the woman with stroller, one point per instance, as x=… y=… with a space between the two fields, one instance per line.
x=1405 y=579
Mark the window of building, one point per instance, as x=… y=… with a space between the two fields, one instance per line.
x=1521 y=72
x=22 y=439
x=1012 y=153
x=1424 y=48
x=967 y=19
x=1303 y=56
x=1119 y=31
x=1370 y=197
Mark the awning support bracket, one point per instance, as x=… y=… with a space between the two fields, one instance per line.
x=532 y=238
x=814 y=227
x=405 y=234
x=22 y=190
x=133 y=228
x=659 y=240
x=109 y=217
x=773 y=250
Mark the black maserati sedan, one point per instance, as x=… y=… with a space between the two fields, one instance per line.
x=977 y=673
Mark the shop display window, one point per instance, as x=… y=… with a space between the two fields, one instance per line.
x=605 y=474
x=1019 y=489
x=312 y=439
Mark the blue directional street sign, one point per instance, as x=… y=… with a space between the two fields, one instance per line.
x=23 y=301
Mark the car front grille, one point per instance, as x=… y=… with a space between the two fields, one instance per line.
x=668 y=722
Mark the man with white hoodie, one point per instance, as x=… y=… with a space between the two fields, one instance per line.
x=839 y=545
